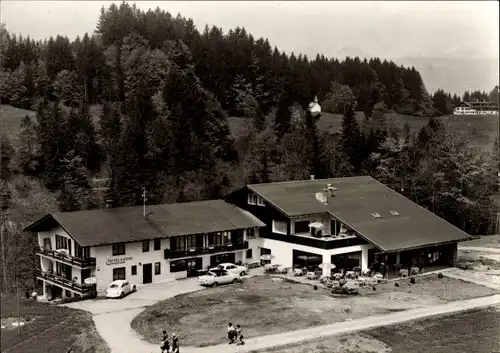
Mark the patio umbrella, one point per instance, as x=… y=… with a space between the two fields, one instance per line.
x=316 y=225
x=90 y=280
x=327 y=265
x=266 y=257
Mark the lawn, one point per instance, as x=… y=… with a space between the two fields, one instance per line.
x=267 y=305
x=48 y=328
x=471 y=331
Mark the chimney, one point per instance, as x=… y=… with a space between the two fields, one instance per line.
x=109 y=204
x=312 y=177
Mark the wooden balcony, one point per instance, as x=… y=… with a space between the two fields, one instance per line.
x=176 y=254
x=59 y=280
x=67 y=259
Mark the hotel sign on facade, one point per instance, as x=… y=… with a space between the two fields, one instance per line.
x=117 y=260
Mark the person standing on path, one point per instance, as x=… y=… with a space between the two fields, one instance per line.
x=165 y=345
x=239 y=336
x=230 y=333
x=175 y=343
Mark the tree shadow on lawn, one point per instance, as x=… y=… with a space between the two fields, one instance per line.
x=264 y=306
x=49 y=328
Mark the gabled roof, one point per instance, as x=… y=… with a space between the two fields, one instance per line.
x=127 y=224
x=353 y=203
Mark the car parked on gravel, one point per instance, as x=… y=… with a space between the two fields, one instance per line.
x=120 y=288
x=217 y=276
x=232 y=268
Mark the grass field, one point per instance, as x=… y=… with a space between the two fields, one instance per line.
x=48 y=328
x=486 y=127
x=266 y=305
x=472 y=331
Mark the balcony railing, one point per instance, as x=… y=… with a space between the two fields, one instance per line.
x=175 y=254
x=72 y=260
x=58 y=279
x=326 y=243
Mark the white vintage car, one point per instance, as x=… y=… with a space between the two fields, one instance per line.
x=119 y=289
x=217 y=276
x=232 y=268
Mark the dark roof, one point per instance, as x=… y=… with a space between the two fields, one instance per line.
x=127 y=224
x=355 y=201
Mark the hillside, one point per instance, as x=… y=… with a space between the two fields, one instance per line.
x=486 y=127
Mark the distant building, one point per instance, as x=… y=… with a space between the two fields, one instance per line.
x=476 y=108
x=314 y=107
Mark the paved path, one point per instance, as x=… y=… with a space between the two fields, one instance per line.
x=477 y=248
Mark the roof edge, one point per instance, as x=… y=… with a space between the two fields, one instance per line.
x=427 y=245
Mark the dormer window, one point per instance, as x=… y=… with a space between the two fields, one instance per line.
x=255 y=200
x=252 y=199
x=376 y=215
x=394 y=213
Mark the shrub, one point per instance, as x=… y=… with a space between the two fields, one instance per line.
x=71 y=300
x=440 y=275
x=396 y=284
x=412 y=280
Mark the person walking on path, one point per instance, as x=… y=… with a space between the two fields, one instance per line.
x=230 y=333
x=175 y=343
x=165 y=345
x=239 y=336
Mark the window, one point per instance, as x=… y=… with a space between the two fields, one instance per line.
x=157 y=244
x=302 y=227
x=145 y=245
x=118 y=249
x=249 y=254
x=251 y=233
x=335 y=227
x=118 y=273
x=47 y=244
x=134 y=270
x=61 y=242
x=83 y=253
x=226 y=238
x=178 y=243
x=69 y=246
x=178 y=266
x=252 y=199
x=215 y=239
x=260 y=201
x=279 y=227
x=191 y=241
x=157 y=268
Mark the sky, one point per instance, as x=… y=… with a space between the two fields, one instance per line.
x=385 y=29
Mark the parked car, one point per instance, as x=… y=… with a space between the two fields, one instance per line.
x=232 y=268
x=120 y=288
x=217 y=276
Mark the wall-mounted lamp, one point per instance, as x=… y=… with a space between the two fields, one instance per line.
x=98 y=269
x=140 y=264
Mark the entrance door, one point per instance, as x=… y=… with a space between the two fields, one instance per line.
x=193 y=265
x=85 y=274
x=147 y=273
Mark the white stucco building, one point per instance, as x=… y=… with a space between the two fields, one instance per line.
x=314 y=106
x=172 y=241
